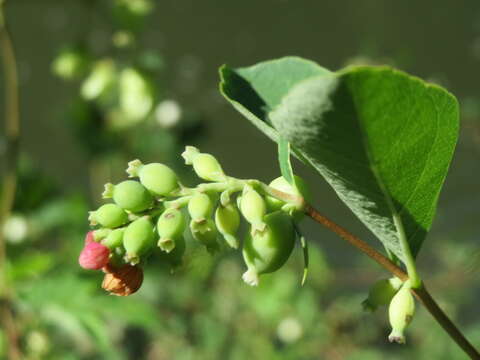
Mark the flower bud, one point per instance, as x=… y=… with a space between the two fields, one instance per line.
x=114 y=239
x=200 y=207
x=159 y=179
x=381 y=293
x=99 y=81
x=253 y=208
x=206 y=233
x=170 y=227
x=206 y=166
x=267 y=251
x=400 y=312
x=122 y=281
x=138 y=239
x=94 y=256
x=129 y=195
x=227 y=221
x=108 y=215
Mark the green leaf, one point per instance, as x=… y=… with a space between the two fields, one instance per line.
x=284 y=160
x=381 y=138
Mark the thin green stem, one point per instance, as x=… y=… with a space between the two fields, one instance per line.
x=409 y=260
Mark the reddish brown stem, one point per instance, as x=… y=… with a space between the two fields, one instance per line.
x=420 y=293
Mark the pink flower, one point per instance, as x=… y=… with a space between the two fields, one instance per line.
x=94 y=256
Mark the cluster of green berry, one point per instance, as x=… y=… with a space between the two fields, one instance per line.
x=154 y=210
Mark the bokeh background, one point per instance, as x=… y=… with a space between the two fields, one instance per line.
x=78 y=133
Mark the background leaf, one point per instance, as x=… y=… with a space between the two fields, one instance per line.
x=381 y=138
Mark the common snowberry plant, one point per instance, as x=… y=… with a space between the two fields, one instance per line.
x=382 y=139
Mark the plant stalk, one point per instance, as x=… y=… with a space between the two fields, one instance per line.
x=9 y=183
x=421 y=293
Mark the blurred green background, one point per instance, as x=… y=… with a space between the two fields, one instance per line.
x=76 y=137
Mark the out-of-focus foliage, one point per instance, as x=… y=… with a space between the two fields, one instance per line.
x=203 y=310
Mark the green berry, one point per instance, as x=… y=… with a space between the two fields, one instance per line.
x=159 y=179
x=100 y=234
x=206 y=166
x=129 y=195
x=108 y=215
x=170 y=227
x=138 y=239
x=227 y=220
x=200 y=207
x=381 y=293
x=281 y=184
x=266 y=251
x=205 y=233
x=70 y=63
x=114 y=239
x=400 y=312
x=253 y=208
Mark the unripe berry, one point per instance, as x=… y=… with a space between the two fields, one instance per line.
x=381 y=293
x=227 y=220
x=159 y=179
x=284 y=186
x=253 y=208
x=206 y=166
x=266 y=251
x=175 y=257
x=206 y=233
x=170 y=227
x=114 y=239
x=138 y=239
x=94 y=256
x=108 y=215
x=122 y=281
x=129 y=195
x=200 y=207
x=70 y=63
x=100 y=234
x=400 y=312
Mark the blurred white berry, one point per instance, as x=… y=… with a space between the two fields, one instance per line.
x=168 y=113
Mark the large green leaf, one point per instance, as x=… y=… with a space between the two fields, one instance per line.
x=381 y=138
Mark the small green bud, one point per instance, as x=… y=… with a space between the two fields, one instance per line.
x=159 y=179
x=100 y=234
x=114 y=239
x=381 y=293
x=100 y=80
x=227 y=220
x=138 y=239
x=267 y=251
x=400 y=312
x=170 y=227
x=253 y=208
x=206 y=233
x=129 y=195
x=206 y=166
x=200 y=207
x=108 y=215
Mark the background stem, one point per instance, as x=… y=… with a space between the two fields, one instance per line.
x=420 y=293
x=9 y=181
